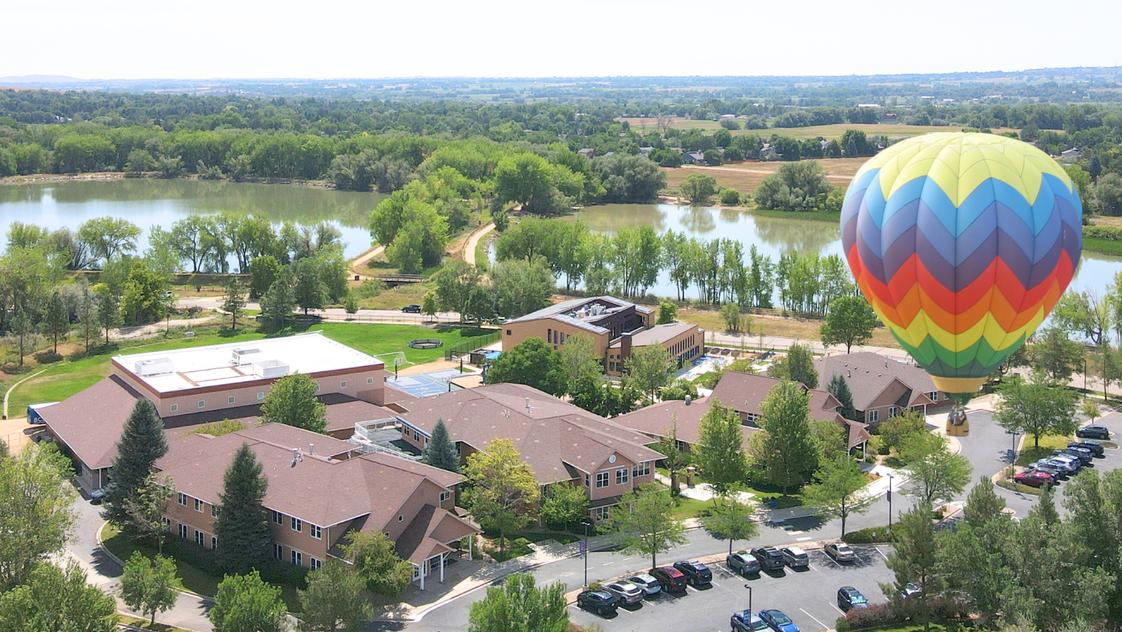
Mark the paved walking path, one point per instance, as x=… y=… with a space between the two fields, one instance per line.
x=473 y=241
x=358 y=264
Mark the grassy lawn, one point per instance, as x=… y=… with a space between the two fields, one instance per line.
x=377 y=339
x=143 y=624
x=1102 y=246
x=762 y=493
x=190 y=578
x=689 y=508
x=1030 y=454
x=515 y=547
x=769 y=325
x=397 y=297
x=541 y=536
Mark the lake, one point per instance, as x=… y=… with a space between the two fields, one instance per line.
x=771 y=236
x=147 y=202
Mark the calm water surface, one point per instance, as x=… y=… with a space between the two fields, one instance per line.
x=772 y=236
x=148 y=203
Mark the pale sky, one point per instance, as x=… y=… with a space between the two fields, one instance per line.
x=535 y=38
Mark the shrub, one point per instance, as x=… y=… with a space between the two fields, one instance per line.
x=730 y=197
x=1111 y=233
x=875 y=616
x=870 y=535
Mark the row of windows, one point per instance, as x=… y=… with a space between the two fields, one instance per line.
x=296 y=557
x=554 y=337
x=183 y=498
x=681 y=346
x=297 y=525
x=623 y=475
x=232 y=399
x=200 y=537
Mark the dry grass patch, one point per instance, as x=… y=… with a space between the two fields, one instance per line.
x=781 y=326
x=746 y=176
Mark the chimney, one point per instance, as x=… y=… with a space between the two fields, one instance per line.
x=311 y=449
x=624 y=347
x=527 y=404
x=296 y=458
x=689 y=400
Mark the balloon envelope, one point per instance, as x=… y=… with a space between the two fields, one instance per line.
x=962 y=243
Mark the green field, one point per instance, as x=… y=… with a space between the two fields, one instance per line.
x=834 y=130
x=65 y=378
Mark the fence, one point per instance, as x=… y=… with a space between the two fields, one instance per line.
x=468 y=346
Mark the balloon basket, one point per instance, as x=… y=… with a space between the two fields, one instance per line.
x=958 y=430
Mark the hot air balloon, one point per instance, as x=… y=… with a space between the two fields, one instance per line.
x=962 y=243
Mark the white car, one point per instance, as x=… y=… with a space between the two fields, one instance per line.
x=625 y=591
x=646 y=583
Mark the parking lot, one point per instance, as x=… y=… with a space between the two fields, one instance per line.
x=808 y=597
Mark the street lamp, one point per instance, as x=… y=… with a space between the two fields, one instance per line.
x=1013 y=452
x=890 y=477
x=749 y=587
x=584 y=552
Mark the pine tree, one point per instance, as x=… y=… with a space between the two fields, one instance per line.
x=58 y=321
x=441 y=451
x=245 y=540
x=233 y=303
x=141 y=443
x=278 y=302
x=839 y=388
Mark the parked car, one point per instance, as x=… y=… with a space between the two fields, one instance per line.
x=745 y=621
x=769 y=557
x=697 y=574
x=910 y=590
x=850 y=598
x=1034 y=478
x=412 y=309
x=1073 y=463
x=96 y=496
x=778 y=621
x=1055 y=470
x=795 y=558
x=671 y=579
x=1093 y=432
x=744 y=563
x=1095 y=448
x=840 y=552
x=601 y=602
x=1083 y=454
x=649 y=585
x=625 y=592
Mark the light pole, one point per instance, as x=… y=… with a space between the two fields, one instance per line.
x=585 y=552
x=890 y=477
x=749 y=587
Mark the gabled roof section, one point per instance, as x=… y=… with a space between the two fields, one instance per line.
x=868 y=375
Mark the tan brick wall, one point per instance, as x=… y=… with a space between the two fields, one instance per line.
x=520 y=331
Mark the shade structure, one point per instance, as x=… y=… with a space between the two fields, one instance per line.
x=962 y=243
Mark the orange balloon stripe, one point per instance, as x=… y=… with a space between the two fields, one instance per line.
x=1002 y=297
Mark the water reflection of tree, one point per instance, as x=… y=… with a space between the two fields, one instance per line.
x=609 y=218
x=698 y=220
x=795 y=234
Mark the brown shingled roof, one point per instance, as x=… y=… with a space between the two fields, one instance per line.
x=549 y=433
x=91 y=421
x=745 y=392
x=868 y=374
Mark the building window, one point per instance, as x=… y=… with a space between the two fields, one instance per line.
x=601 y=479
x=230 y=399
x=296 y=524
x=200 y=404
x=297 y=558
x=316 y=531
x=508 y=332
x=586 y=483
x=182 y=499
x=643 y=469
x=343 y=385
x=198 y=505
x=175 y=408
x=622 y=476
x=549 y=336
x=278 y=517
x=214 y=542
x=198 y=537
x=600 y=513
x=893 y=411
x=278 y=551
x=369 y=380
x=933 y=395
x=167 y=524
x=872 y=416
x=260 y=395
x=400 y=518
x=214 y=510
x=444 y=496
x=316 y=563
x=182 y=532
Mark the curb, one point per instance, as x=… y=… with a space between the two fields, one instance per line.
x=112 y=556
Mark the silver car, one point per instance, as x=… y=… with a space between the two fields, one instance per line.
x=840 y=552
x=646 y=583
x=625 y=592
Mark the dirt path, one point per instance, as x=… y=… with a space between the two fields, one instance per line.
x=762 y=172
x=358 y=264
x=473 y=241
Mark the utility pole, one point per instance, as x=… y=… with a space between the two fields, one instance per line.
x=890 y=477
x=585 y=551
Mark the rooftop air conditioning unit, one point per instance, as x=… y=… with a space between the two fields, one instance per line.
x=270 y=368
x=153 y=366
x=243 y=356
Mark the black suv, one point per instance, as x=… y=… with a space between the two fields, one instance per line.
x=769 y=557
x=601 y=602
x=412 y=309
x=1095 y=448
x=744 y=563
x=697 y=574
x=1093 y=432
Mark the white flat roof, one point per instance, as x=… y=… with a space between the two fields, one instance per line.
x=216 y=365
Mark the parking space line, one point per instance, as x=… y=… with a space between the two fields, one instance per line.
x=836 y=608
x=877 y=549
x=824 y=626
x=811 y=567
x=804 y=539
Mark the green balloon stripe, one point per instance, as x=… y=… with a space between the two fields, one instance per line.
x=979 y=360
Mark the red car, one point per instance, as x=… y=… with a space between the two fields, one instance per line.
x=1033 y=478
x=671 y=579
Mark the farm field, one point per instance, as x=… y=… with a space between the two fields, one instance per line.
x=746 y=176
x=834 y=130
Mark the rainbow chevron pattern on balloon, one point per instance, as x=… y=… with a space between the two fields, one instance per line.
x=962 y=243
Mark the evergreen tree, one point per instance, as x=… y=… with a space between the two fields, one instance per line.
x=441 y=450
x=141 y=443
x=840 y=390
x=57 y=321
x=233 y=302
x=245 y=540
x=914 y=561
x=278 y=302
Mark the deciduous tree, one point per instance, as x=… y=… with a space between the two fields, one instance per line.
x=146 y=507
x=849 y=321
x=836 y=490
x=36 y=516
x=731 y=521
x=648 y=369
x=641 y=524
x=502 y=491
x=789 y=440
x=292 y=400
x=530 y=362
x=233 y=302
x=54 y=598
x=334 y=599
x=246 y=603
x=520 y=606
x=797 y=365
x=148 y=585
x=377 y=563
x=1036 y=409
x=934 y=472
x=720 y=452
